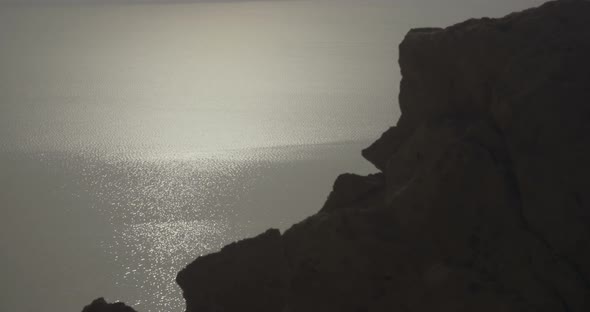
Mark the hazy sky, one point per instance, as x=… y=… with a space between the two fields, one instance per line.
x=439 y=11
x=451 y=4
x=146 y=53
x=425 y=12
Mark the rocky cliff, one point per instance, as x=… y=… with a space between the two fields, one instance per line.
x=483 y=200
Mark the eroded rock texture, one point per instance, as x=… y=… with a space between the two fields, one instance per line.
x=483 y=200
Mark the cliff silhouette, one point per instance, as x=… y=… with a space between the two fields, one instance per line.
x=482 y=200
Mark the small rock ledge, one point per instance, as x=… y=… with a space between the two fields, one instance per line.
x=100 y=305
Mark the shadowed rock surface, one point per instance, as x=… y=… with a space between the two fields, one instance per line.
x=482 y=203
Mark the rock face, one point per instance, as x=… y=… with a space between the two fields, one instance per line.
x=483 y=200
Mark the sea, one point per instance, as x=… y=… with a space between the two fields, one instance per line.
x=135 y=138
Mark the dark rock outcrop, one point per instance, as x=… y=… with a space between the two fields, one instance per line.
x=234 y=278
x=482 y=203
x=483 y=199
x=351 y=189
x=100 y=305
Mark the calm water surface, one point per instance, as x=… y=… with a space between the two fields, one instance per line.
x=136 y=138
